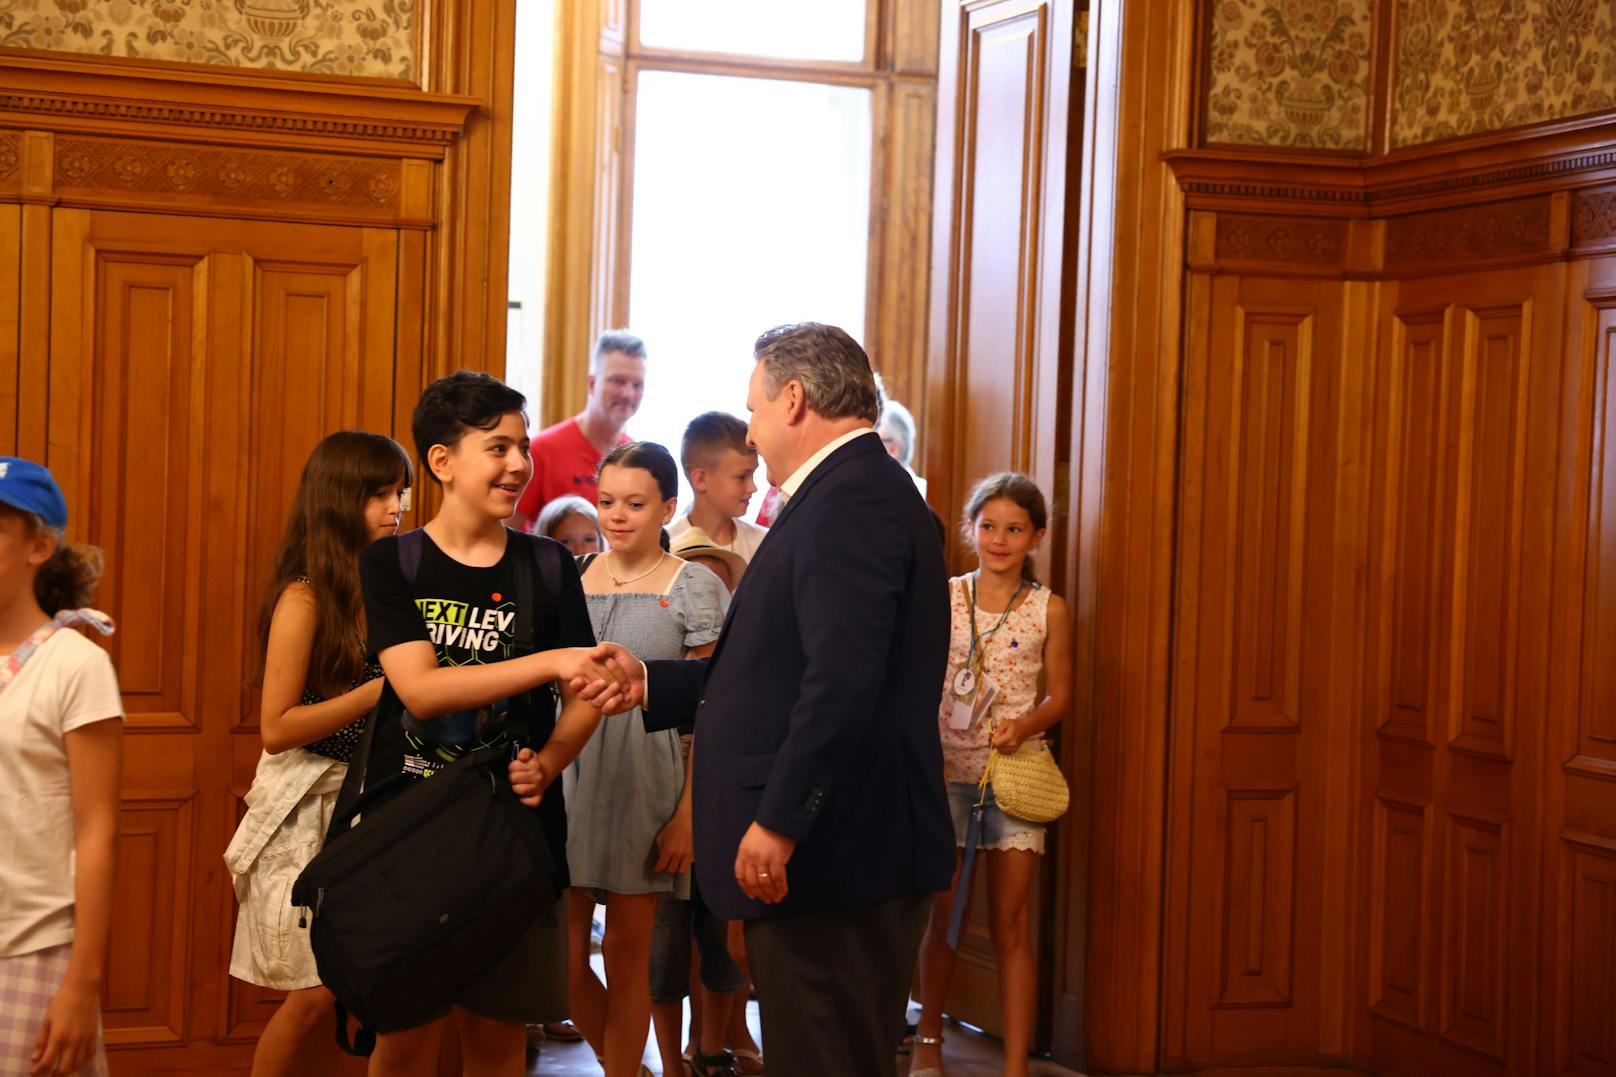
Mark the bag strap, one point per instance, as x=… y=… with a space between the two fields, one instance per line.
x=19 y=658
x=364 y=1040
x=410 y=545
x=585 y=560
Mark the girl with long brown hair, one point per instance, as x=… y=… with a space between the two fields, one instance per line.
x=319 y=685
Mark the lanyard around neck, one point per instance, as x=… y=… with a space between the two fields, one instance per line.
x=982 y=640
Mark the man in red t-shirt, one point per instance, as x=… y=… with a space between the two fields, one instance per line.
x=567 y=455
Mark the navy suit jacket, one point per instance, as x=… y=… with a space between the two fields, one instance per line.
x=816 y=715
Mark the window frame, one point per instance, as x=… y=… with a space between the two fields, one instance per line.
x=600 y=59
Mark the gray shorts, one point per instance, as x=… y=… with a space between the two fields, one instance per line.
x=677 y=922
x=1000 y=832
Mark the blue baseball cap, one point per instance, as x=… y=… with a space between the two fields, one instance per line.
x=27 y=486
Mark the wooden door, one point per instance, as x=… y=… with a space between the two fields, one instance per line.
x=1256 y=801
x=997 y=384
x=193 y=364
x=1577 y=1009
x=1459 y=620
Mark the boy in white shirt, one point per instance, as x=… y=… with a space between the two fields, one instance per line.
x=719 y=464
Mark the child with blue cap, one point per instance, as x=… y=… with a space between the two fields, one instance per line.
x=60 y=754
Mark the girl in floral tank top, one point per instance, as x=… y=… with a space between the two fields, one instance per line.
x=1009 y=680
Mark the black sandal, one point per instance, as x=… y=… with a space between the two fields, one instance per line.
x=721 y=1064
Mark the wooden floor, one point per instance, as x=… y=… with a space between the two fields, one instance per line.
x=968 y=1054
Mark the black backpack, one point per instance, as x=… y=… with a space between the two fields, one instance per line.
x=441 y=875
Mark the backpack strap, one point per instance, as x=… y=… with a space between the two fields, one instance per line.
x=410 y=545
x=549 y=568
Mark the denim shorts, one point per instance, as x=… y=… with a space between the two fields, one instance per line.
x=999 y=831
x=677 y=922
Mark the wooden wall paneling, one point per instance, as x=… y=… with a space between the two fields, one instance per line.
x=10 y=323
x=901 y=250
x=1577 y=1014
x=1466 y=459
x=128 y=381
x=1141 y=74
x=999 y=178
x=995 y=369
x=1475 y=933
x=34 y=331
x=147 y=990
x=475 y=58
x=1584 y=1033
x=1399 y=896
x=1595 y=710
x=1250 y=797
x=410 y=362
x=1074 y=554
x=570 y=319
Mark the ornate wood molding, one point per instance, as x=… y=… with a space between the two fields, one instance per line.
x=1593 y=221
x=1470 y=234
x=1540 y=159
x=1303 y=240
x=129 y=96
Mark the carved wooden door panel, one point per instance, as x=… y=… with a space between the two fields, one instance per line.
x=998 y=393
x=1253 y=906
x=193 y=364
x=1577 y=1015
x=1459 y=622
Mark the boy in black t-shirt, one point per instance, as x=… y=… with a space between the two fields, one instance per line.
x=447 y=640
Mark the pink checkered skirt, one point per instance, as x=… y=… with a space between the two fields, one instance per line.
x=27 y=985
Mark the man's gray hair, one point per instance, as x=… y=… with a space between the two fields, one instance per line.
x=835 y=374
x=616 y=340
x=897 y=418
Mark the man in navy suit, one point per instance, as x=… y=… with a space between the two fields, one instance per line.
x=821 y=818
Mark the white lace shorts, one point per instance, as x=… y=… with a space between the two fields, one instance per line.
x=1000 y=832
x=28 y=982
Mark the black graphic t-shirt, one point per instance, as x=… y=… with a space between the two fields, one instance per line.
x=469 y=615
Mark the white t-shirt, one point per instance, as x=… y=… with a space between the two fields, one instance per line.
x=67 y=683
x=748 y=536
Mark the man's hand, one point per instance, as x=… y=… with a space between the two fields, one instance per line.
x=760 y=864
x=67 y=1034
x=626 y=689
x=528 y=778
x=597 y=674
x=676 y=847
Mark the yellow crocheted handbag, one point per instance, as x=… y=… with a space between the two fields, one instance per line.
x=1028 y=784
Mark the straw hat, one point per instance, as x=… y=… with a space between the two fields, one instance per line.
x=696 y=545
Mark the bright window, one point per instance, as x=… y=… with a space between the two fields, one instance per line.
x=751 y=208
x=783 y=29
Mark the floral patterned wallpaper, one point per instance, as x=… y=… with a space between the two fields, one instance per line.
x=1466 y=66
x=1290 y=72
x=333 y=37
x=1295 y=72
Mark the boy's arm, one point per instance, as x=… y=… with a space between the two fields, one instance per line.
x=429 y=690
x=532 y=772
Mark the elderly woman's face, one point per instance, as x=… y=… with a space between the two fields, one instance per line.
x=893 y=443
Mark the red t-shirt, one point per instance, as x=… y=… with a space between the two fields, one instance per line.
x=564 y=462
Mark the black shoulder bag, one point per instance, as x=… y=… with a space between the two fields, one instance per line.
x=439 y=877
